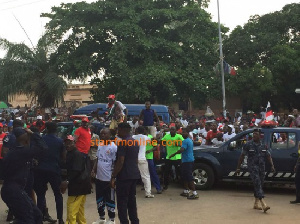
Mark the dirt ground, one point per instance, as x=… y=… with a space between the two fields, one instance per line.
x=228 y=203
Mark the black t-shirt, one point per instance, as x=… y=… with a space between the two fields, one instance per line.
x=130 y=150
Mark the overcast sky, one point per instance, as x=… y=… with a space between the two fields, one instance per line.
x=232 y=12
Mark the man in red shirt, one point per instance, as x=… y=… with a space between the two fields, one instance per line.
x=212 y=133
x=83 y=137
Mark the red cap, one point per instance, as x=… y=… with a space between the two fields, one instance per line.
x=85 y=119
x=1 y=125
x=111 y=97
x=69 y=137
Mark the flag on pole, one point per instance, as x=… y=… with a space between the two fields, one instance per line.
x=269 y=112
x=227 y=68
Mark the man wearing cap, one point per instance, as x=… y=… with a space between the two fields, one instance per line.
x=16 y=169
x=256 y=153
x=48 y=171
x=82 y=137
x=116 y=112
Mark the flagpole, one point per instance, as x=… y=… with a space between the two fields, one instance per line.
x=221 y=62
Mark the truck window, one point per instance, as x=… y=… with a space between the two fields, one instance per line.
x=240 y=142
x=283 y=140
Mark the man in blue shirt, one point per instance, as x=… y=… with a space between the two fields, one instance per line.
x=148 y=116
x=48 y=171
x=187 y=163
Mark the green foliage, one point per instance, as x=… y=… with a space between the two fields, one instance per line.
x=159 y=50
x=25 y=70
x=268 y=43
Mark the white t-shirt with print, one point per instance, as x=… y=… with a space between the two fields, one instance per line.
x=106 y=155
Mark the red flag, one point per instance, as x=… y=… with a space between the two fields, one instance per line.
x=269 y=112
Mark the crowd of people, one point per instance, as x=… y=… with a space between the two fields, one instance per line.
x=32 y=156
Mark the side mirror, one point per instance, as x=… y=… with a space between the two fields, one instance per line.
x=232 y=145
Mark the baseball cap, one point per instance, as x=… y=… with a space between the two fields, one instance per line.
x=39 y=117
x=112 y=96
x=69 y=137
x=85 y=119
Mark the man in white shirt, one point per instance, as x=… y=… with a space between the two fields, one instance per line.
x=218 y=139
x=102 y=170
x=184 y=122
x=229 y=134
x=142 y=161
x=134 y=124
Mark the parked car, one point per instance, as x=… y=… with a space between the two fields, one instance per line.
x=218 y=163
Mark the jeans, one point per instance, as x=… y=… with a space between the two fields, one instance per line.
x=153 y=174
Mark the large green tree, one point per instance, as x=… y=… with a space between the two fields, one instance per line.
x=27 y=70
x=160 y=50
x=266 y=51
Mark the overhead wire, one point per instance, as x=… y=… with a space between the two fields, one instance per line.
x=30 y=3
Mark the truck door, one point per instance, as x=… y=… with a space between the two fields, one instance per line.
x=284 y=152
x=232 y=154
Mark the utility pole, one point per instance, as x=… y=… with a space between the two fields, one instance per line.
x=221 y=62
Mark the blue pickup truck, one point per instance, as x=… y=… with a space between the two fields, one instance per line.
x=218 y=163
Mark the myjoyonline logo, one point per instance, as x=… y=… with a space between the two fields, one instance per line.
x=131 y=142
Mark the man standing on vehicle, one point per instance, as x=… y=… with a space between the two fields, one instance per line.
x=256 y=152
x=116 y=112
x=148 y=116
x=172 y=142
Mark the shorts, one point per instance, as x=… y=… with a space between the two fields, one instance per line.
x=187 y=171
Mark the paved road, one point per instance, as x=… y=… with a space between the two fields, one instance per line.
x=228 y=203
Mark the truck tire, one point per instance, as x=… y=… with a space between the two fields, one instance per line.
x=204 y=176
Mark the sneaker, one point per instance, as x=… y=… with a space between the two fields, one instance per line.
x=60 y=221
x=193 y=196
x=165 y=187
x=100 y=221
x=149 y=196
x=184 y=194
x=295 y=202
x=110 y=222
x=159 y=192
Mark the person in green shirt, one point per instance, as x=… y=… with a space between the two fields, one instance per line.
x=150 y=147
x=172 y=142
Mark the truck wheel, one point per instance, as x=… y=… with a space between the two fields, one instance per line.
x=204 y=176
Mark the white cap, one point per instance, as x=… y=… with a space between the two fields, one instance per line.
x=39 y=117
x=18 y=118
